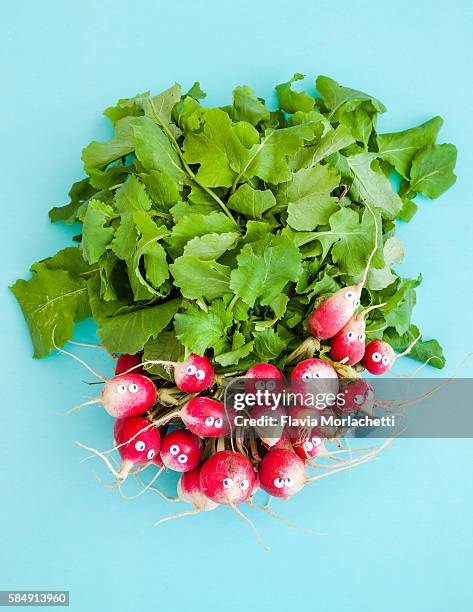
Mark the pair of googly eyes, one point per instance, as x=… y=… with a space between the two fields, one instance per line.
x=133 y=388
x=175 y=450
x=140 y=446
x=261 y=385
x=351 y=296
x=309 y=376
x=209 y=421
x=309 y=445
x=193 y=371
x=351 y=336
x=244 y=484
x=377 y=357
x=280 y=483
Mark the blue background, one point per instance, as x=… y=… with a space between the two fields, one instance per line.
x=398 y=530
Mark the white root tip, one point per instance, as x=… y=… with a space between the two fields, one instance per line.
x=177 y=516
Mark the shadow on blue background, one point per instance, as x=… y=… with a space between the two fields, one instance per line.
x=398 y=530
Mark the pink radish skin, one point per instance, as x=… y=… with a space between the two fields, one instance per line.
x=314 y=376
x=138 y=442
x=227 y=478
x=126 y=362
x=264 y=370
x=357 y=395
x=282 y=473
x=379 y=357
x=205 y=417
x=181 y=450
x=348 y=345
x=128 y=395
x=189 y=491
x=194 y=375
x=264 y=377
x=335 y=312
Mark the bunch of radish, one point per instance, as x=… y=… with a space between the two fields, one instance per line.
x=186 y=427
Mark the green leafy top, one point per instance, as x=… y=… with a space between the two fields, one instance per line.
x=217 y=229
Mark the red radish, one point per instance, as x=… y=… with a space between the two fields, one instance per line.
x=227 y=478
x=126 y=363
x=323 y=375
x=348 y=345
x=282 y=473
x=181 y=450
x=123 y=396
x=193 y=375
x=358 y=394
x=128 y=395
x=264 y=377
x=138 y=442
x=335 y=312
x=379 y=357
x=205 y=417
x=190 y=492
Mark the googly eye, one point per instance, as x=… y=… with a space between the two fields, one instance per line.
x=227 y=483
x=356 y=303
x=209 y=421
x=306 y=376
x=182 y=458
x=151 y=454
x=358 y=399
x=259 y=385
x=362 y=337
x=200 y=374
x=289 y=482
x=140 y=445
x=133 y=388
x=376 y=357
x=316 y=441
x=308 y=445
x=270 y=385
x=244 y=484
x=279 y=483
x=121 y=389
x=349 y=295
x=218 y=423
x=385 y=360
x=191 y=370
x=317 y=375
x=351 y=335
x=174 y=450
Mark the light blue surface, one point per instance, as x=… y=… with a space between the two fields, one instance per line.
x=398 y=530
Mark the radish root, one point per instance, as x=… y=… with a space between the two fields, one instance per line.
x=119 y=475
x=146 y=487
x=81 y=361
x=79 y=407
x=250 y=523
x=177 y=516
x=282 y=519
